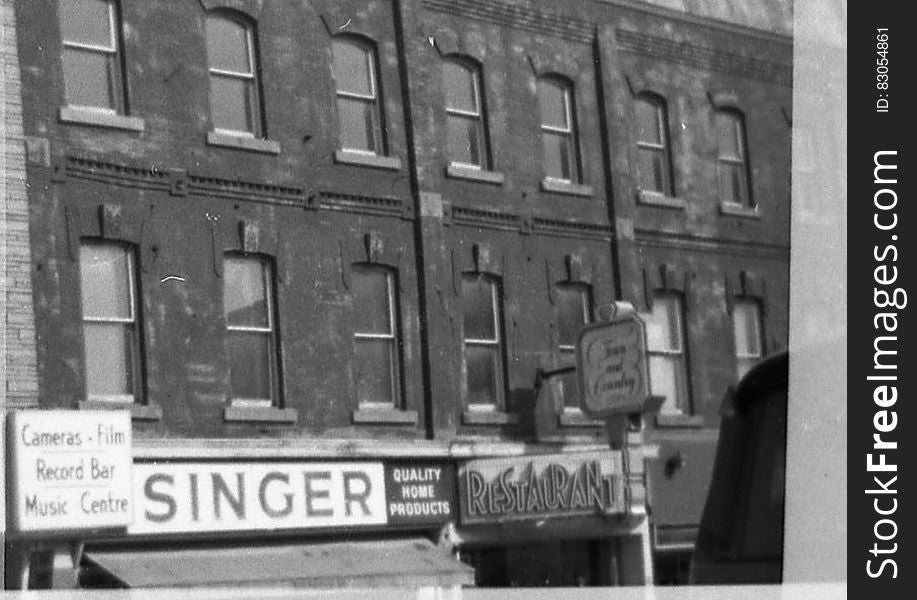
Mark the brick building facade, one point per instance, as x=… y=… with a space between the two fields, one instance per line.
x=356 y=230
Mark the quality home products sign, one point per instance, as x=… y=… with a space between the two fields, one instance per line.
x=535 y=487
x=203 y=497
x=419 y=494
x=70 y=470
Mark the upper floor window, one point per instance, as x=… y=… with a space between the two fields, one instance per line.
x=746 y=324
x=572 y=306
x=375 y=326
x=558 y=129
x=248 y=303
x=466 y=140
x=665 y=346
x=358 y=105
x=654 y=170
x=732 y=161
x=90 y=57
x=112 y=337
x=483 y=341
x=235 y=102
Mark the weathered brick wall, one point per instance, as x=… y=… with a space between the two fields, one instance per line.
x=18 y=379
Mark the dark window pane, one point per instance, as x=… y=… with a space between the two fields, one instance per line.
x=89 y=78
x=481 y=364
x=732 y=183
x=568 y=384
x=352 y=71
x=250 y=365
x=85 y=22
x=463 y=140
x=109 y=367
x=371 y=310
x=557 y=156
x=227 y=45
x=105 y=282
x=571 y=315
x=648 y=129
x=230 y=103
x=357 y=123
x=373 y=370
x=478 y=309
x=652 y=170
x=553 y=103
x=459 y=82
x=245 y=298
x=728 y=127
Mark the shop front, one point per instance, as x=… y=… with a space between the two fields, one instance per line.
x=86 y=513
x=551 y=520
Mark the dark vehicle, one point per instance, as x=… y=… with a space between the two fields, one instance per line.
x=741 y=531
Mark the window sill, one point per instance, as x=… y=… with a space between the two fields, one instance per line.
x=559 y=186
x=457 y=171
x=488 y=417
x=259 y=414
x=88 y=116
x=386 y=415
x=376 y=161
x=737 y=210
x=139 y=412
x=576 y=418
x=679 y=420
x=659 y=199
x=242 y=142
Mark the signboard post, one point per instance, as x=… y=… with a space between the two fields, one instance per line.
x=69 y=470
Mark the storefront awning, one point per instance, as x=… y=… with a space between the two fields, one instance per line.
x=411 y=563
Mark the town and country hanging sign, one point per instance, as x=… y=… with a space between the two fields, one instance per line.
x=69 y=470
x=535 y=487
x=611 y=367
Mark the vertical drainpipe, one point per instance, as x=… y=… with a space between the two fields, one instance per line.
x=400 y=13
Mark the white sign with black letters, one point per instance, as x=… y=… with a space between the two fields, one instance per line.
x=202 y=497
x=69 y=470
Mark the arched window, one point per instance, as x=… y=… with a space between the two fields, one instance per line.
x=357 y=84
x=654 y=168
x=466 y=134
x=666 y=349
x=558 y=129
x=235 y=97
x=746 y=325
x=732 y=159
x=483 y=347
x=573 y=308
x=375 y=330
x=90 y=31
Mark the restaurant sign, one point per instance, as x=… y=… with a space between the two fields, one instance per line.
x=418 y=493
x=206 y=497
x=69 y=470
x=535 y=487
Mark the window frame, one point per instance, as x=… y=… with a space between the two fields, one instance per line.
x=569 y=350
x=395 y=367
x=664 y=148
x=681 y=404
x=253 y=78
x=570 y=133
x=757 y=320
x=268 y=274
x=135 y=322
x=497 y=343
x=115 y=64
x=479 y=117
x=370 y=51
x=737 y=120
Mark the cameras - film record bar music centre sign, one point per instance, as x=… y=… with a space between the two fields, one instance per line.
x=535 y=487
x=70 y=470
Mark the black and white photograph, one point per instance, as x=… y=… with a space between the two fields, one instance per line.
x=425 y=298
